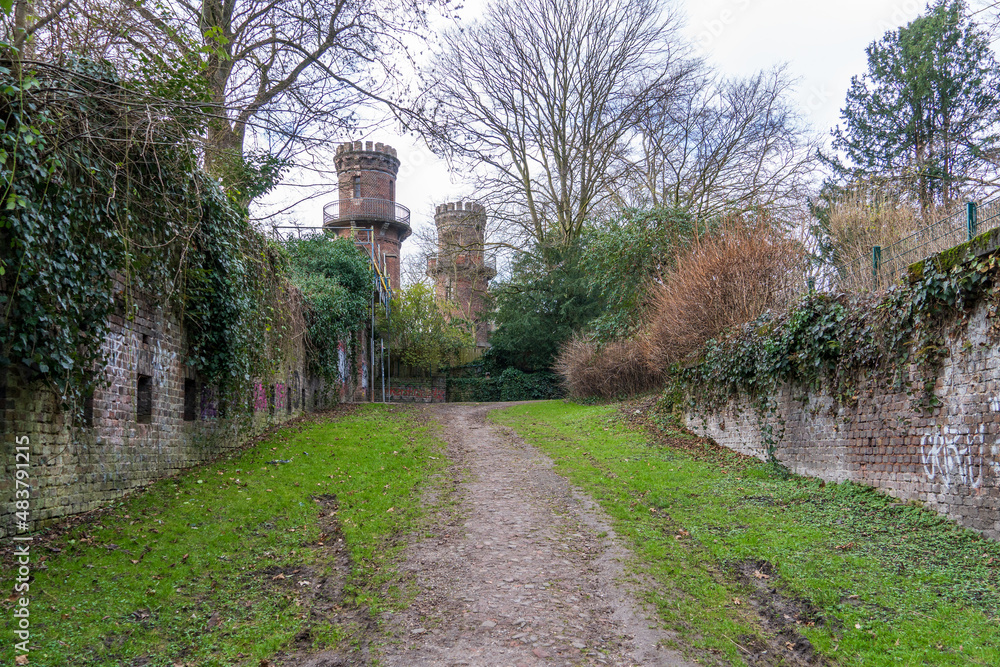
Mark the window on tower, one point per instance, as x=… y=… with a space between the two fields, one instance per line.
x=357 y=187
x=392 y=190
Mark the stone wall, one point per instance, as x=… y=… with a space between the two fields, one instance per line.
x=947 y=457
x=151 y=418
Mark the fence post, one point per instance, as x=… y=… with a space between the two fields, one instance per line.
x=971 y=218
x=876 y=262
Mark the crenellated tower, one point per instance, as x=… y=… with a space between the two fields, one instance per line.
x=366 y=177
x=460 y=269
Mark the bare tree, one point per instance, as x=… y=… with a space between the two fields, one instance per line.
x=292 y=68
x=721 y=146
x=539 y=97
x=286 y=73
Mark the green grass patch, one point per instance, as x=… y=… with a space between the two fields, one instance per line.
x=205 y=568
x=866 y=579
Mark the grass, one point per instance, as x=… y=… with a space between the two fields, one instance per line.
x=866 y=579
x=206 y=568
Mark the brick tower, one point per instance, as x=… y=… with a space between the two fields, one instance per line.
x=366 y=176
x=460 y=269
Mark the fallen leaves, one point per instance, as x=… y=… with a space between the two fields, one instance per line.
x=761 y=575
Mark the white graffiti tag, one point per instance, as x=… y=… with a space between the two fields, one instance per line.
x=959 y=459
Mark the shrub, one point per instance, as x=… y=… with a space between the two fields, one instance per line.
x=727 y=278
x=617 y=368
x=511 y=385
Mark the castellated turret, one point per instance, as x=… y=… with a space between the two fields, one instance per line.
x=460 y=269
x=366 y=179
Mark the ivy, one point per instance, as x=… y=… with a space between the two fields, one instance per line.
x=336 y=282
x=103 y=203
x=839 y=343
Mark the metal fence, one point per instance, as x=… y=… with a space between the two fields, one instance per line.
x=886 y=264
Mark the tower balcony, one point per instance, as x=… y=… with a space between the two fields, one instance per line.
x=343 y=211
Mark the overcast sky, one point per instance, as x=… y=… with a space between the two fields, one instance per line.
x=823 y=44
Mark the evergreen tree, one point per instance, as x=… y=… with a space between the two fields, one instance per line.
x=926 y=113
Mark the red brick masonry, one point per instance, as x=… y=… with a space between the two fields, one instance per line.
x=948 y=457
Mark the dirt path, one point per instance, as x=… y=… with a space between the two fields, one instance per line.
x=524 y=569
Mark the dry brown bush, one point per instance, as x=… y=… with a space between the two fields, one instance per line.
x=618 y=368
x=726 y=279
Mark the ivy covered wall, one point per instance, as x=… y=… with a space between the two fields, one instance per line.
x=145 y=324
x=900 y=390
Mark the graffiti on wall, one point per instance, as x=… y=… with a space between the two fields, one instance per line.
x=280 y=396
x=958 y=459
x=341 y=362
x=259 y=397
x=416 y=393
x=209 y=404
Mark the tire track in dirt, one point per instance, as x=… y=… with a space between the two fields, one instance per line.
x=523 y=570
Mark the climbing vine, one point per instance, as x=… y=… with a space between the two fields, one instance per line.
x=103 y=202
x=336 y=282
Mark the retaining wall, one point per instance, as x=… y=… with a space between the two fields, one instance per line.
x=151 y=418
x=418 y=390
x=947 y=457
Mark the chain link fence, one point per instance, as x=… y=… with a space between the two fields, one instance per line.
x=887 y=264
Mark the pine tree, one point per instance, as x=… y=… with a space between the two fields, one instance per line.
x=927 y=112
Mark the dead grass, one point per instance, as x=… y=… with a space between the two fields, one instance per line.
x=869 y=215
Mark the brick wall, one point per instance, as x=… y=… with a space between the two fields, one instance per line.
x=947 y=457
x=418 y=390
x=153 y=418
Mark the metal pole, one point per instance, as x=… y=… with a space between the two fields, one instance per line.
x=876 y=262
x=388 y=375
x=971 y=218
x=371 y=349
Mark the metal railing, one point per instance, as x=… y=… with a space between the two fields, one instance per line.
x=887 y=264
x=365 y=208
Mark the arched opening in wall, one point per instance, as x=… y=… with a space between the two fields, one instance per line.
x=392 y=190
x=270 y=399
x=357 y=187
x=144 y=399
